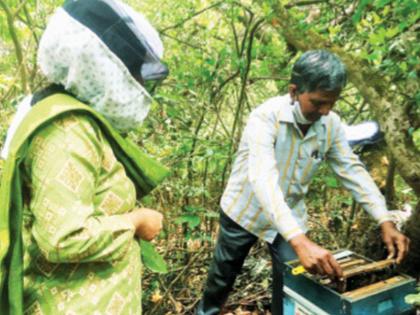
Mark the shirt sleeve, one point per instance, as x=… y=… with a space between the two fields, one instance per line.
x=263 y=173
x=353 y=175
x=63 y=165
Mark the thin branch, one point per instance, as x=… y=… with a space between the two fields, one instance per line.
x=242 y=94
x=31 y=25
x=255 y=79
x=182 y=42
x=251 y=17
x=304 y=3
x=346 y=14
x=359 y=111
x=182 y=22
x=193 y=146
x=180 y=274
x=248 y=65
x=235 y=37
x=20 y=7
x=389 y=184
x=222 y=85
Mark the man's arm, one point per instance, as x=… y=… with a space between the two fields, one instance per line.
x=354 y=177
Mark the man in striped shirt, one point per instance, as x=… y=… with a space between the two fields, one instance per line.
x=283 y=143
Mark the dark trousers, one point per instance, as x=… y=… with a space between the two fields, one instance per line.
x=232 y=247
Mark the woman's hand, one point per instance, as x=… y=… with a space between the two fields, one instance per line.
x=148 y=222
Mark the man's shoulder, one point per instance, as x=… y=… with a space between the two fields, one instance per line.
x=272 y=106
x=333 y=119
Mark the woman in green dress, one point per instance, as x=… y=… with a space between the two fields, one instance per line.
x=69 y=220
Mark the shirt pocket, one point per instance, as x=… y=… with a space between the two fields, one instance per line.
x=311 y=166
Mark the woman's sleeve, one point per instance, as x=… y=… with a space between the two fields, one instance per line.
x=63 y=164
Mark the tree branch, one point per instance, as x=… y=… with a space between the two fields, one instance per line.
x=304 y=3
x=182 y=42
x=16 y=43
x=244 y=76
x=273 y=78
x=182 y=22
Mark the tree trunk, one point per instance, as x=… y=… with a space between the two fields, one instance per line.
x=374 y=88
x=412 y=230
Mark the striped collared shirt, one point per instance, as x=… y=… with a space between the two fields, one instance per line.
x=275 y=163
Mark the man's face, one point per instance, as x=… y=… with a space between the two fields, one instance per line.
x=315 y=104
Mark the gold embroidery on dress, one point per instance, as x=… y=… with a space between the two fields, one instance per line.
x=108 y=160
x=45 y=266
x=66 y=123
x=38 y=144
x=116 y=305
x=52 y=229
x=34 y=309
x=82 y=291
x=61 y=306
x=92 y=288
x=66 y=295
x=111 y=203
x=91 y=276
x=48 y=209
x=70 y=176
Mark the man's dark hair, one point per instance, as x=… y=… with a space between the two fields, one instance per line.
x=319 y=70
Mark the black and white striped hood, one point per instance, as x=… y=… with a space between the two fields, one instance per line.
x=94 y=48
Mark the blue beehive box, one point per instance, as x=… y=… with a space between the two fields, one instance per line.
x=305 y=294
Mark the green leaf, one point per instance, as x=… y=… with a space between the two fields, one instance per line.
x=194 y=209
x=358 y=14
x=382 y=3
x=331 y=182
x=413 y=299
x=348 y=201
x=391 y=32
x=192 y=220
x=172 y=111
x=376 y=18
x=412 y=75
x=377 y=38
x=212 y=214
x=334 y=30
x=403 y=66
x=151 y=258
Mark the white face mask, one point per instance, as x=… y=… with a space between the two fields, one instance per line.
x=297 y=113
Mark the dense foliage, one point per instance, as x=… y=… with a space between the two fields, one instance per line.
x=226 y=57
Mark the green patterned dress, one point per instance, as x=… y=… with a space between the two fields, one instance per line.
x=80 y=254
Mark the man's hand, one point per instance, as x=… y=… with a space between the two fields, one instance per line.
x=147 y=222
x=393 y=238
x=314 y=258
